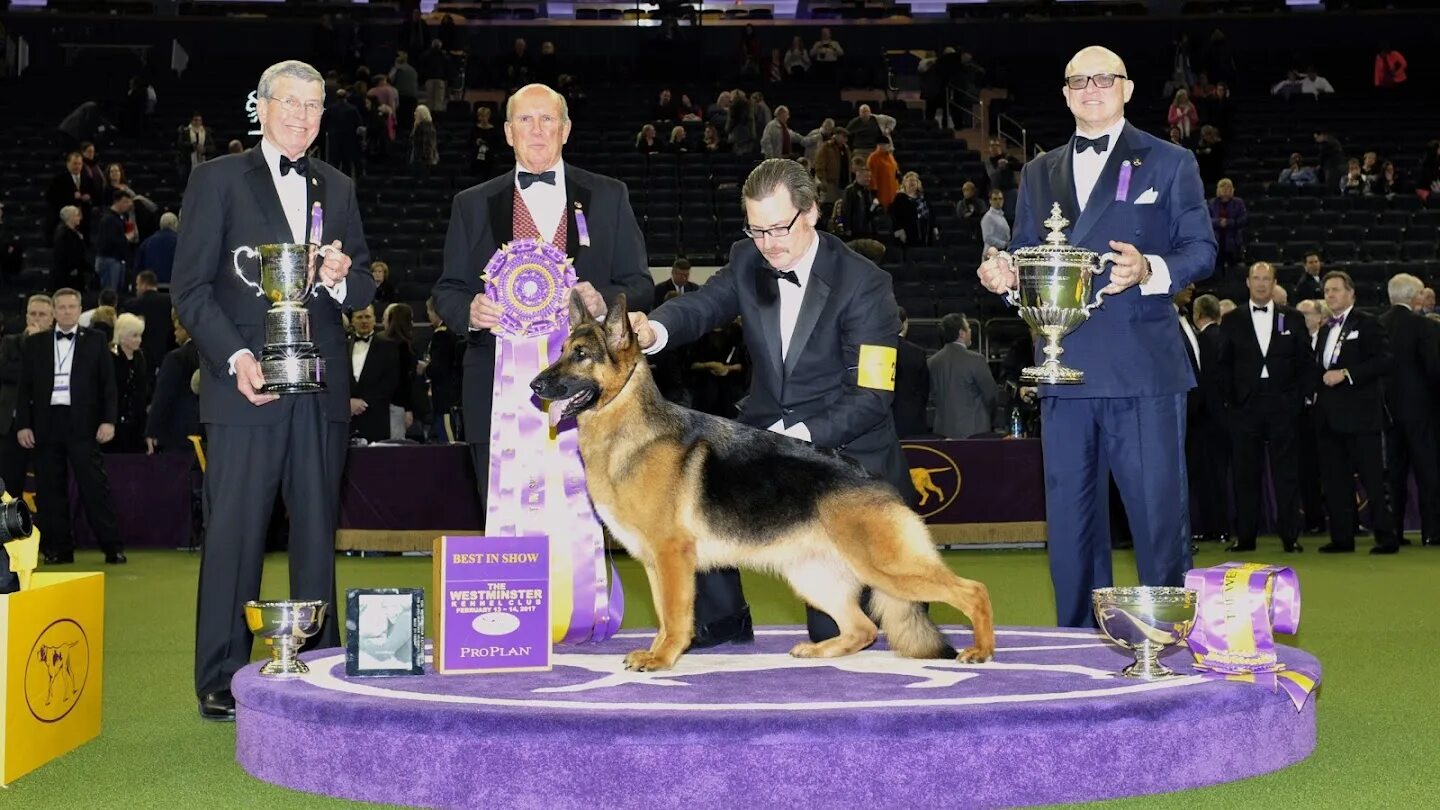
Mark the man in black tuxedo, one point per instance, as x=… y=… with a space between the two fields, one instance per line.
x=374 y=374
x=1308 y=287
x=1414 y=372
x=155 y=308
x=174 y=414
x=65 y=409
x=679 y=281
x=1353 y=354
x=70 y=187
x=548 y=196
x=260 y=441
x=1266 y=371
x=1207 y=440
x=912 y=388
x=14 y=459
x=821 y=325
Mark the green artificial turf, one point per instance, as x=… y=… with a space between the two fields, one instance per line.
x=1372 y=622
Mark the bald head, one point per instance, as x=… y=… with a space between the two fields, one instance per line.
x=1095 y=59
x=532 y=95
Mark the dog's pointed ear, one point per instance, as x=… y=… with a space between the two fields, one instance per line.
x=617 y=324
x=578 y=313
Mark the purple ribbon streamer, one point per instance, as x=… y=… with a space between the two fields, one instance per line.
x=1122 y=191
x=582 y=229
x=317 y=223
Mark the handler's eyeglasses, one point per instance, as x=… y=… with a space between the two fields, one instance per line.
x=774 y=233
x=1104 y=81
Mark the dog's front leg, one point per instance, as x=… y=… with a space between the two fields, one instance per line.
x=672 y=587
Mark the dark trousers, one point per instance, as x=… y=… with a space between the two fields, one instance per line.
x=1207 y=460
x=1312 y=494
x=1267 y=420
x=303 y=457
x=1141 y=441
x=480 y=458
x=1411 y=444
x=1343 y=456
x=79 y=456
x=14 y=461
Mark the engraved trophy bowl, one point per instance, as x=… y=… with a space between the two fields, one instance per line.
x=1053 y=293
x=1145 y=620
x=289 y=361
x=284 y=624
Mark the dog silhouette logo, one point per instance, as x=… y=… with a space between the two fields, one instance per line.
x=935 y=476
x=56 y=671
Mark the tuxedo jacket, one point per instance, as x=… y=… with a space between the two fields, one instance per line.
x=1356 y=406
x=93 y=396
x=379 y=379
x=1209 y=395
x=848 y=303
x=175 y=410
x=964 y=391
x=667 y=286
x=1130 y=346
x=482 y=219
x=1414 y=366
x=1307 y=288
x=12 y=352
x=229 y=202
x=912 y=390
x=1289 y=360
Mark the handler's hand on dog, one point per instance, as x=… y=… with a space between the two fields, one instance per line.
x=997 y=274
x=644 y=332
x=484 y=313
x=594 y=303
x=1128 y=269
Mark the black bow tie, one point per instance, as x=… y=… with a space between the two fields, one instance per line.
x=64 y=335
x=301 y=166
x=1099 y=144
x=365 y=339
x=1254 y=308
x=528 y=179
x=788 y=275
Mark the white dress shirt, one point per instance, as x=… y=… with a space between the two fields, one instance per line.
x=546 y=202
x=1264 y=322
x=1334 y=338
x=64 y=362
x=359 y=350
x=1087 y=169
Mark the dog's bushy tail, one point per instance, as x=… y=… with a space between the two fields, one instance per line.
x=908 y=628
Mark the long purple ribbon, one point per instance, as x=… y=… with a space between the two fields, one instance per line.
x=1240 y=608
x=1122 y=189
x=528 y=461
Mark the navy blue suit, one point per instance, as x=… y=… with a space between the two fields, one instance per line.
x=1128 y=417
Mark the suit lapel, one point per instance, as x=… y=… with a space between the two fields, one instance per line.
x=577 y=198
x=767 y=300
x=1103 y=195
x=266 y=197
x=502 y=214
x=817 y=292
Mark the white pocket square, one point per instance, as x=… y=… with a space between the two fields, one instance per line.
x=1148 y=198
x=1352 y=336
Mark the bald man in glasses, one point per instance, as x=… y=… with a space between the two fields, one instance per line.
x=1128 y=193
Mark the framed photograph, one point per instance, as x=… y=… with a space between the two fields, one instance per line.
x=384 y=632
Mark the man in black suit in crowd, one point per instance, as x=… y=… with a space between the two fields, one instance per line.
x=547 y=194
x=259 y=442
x=443 y=370
x=1207 y=439
x=679 y=281
x=154 y=307
x=1308 y=287
x=912 y=387
x=1353 y=354
x=71 y=186
x=14 y=459
x=375 y=374
x=821 y=325
x=1266 y=371
x=65 y=409
x=1414 y=372
x=174 y=414
x=1312 y=494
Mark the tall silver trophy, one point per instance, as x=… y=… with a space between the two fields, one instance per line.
x=1054 y=295
x=289 y=361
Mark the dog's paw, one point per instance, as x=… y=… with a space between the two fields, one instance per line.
x=645 y=661
x=974 y=655
x=806 y=649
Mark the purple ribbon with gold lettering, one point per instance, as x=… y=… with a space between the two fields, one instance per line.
x=1241 y=606
x=537 y=480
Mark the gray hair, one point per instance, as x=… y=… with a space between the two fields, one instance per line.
x=127 y=323
x=169 y=222
x=777 y=173
x=1403 y=288
x=1206 y=306
x=68 y=213
x=289 y=69
x=558 y=98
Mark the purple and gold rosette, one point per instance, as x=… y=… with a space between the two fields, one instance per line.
x=1240 y=607
x=537 y=479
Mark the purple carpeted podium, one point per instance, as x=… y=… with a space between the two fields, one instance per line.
x=1045 y=722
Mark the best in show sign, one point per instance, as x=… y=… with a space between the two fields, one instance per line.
x=493 y=594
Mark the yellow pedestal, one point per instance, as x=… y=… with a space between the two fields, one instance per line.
x=52 y=643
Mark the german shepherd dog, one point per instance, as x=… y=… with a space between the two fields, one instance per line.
x=685 y=492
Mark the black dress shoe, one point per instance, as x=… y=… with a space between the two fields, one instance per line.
x=218 y=707
x=118 y=558
x=1238 y=546
x=59 y=559
x=738 y=629
x=1403 y=541
x=1332 y=548
x=1390 y=549
x=1293 y=547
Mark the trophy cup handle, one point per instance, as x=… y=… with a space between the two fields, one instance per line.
x=320 y=250
x=235 y=258
x=1108 y=258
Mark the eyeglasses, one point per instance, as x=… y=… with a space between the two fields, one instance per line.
x=774 y=233
x=293 y=105
x=1104 y=81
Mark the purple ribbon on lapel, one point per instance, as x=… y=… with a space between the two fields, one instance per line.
x=537 y=480
x=1240 y=608
x=582 y=229
x=317 y=223
x=1282 y=323
x=1122 y=190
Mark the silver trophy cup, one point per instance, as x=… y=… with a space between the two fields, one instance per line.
x=284 y=625
x=1145 y=620
x=289 y=361
x=1054 y=295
